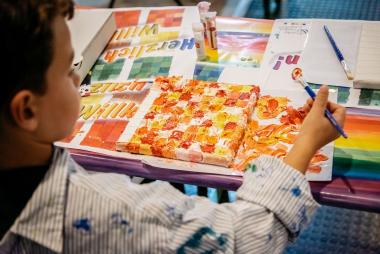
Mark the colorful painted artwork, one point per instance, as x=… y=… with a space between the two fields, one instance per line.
x=273 y=129
x=241 y=48
x=241 y=42
x=359 y=155
x=218 y=124
x=194 y=121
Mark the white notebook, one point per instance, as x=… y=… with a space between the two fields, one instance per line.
x=91 y=31
x=368 y=63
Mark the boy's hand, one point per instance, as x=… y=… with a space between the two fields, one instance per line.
x=316 y=130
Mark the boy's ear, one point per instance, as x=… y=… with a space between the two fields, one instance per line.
x=24 y=110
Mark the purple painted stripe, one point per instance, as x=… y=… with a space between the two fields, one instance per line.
x=363 y=111
x=102 y=163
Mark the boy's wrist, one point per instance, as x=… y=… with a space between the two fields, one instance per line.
x=307 y=147
x=308 y=143
x=301 y=153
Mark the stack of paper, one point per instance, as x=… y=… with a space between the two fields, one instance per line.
x=368 y=67
x=90 y=32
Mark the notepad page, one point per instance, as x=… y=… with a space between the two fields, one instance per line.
x=319 y=61
x=368 y=66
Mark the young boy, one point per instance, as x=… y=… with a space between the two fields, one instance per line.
x=49 y=204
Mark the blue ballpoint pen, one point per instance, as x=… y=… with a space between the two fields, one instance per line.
x=297 y=75
x=338 y=54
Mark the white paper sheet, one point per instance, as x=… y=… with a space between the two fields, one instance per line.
x=283 y=53
x=240 y=75
x=368 y=67
x=319 y=61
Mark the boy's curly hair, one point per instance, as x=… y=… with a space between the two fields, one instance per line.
x=26 y=44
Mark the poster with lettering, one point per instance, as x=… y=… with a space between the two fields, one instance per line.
x=149 y=42
x=106 y=110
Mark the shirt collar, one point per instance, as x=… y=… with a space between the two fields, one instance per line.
x=42 y=219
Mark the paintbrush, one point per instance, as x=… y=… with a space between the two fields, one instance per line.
x=297 y=75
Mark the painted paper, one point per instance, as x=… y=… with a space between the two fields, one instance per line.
x=242 y=42
x=274 y=126
x=241 y=46
x=359 y=155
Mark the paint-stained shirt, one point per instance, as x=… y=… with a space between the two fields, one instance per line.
x=75 y=211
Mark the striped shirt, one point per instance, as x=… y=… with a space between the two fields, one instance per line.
x=75 y=211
